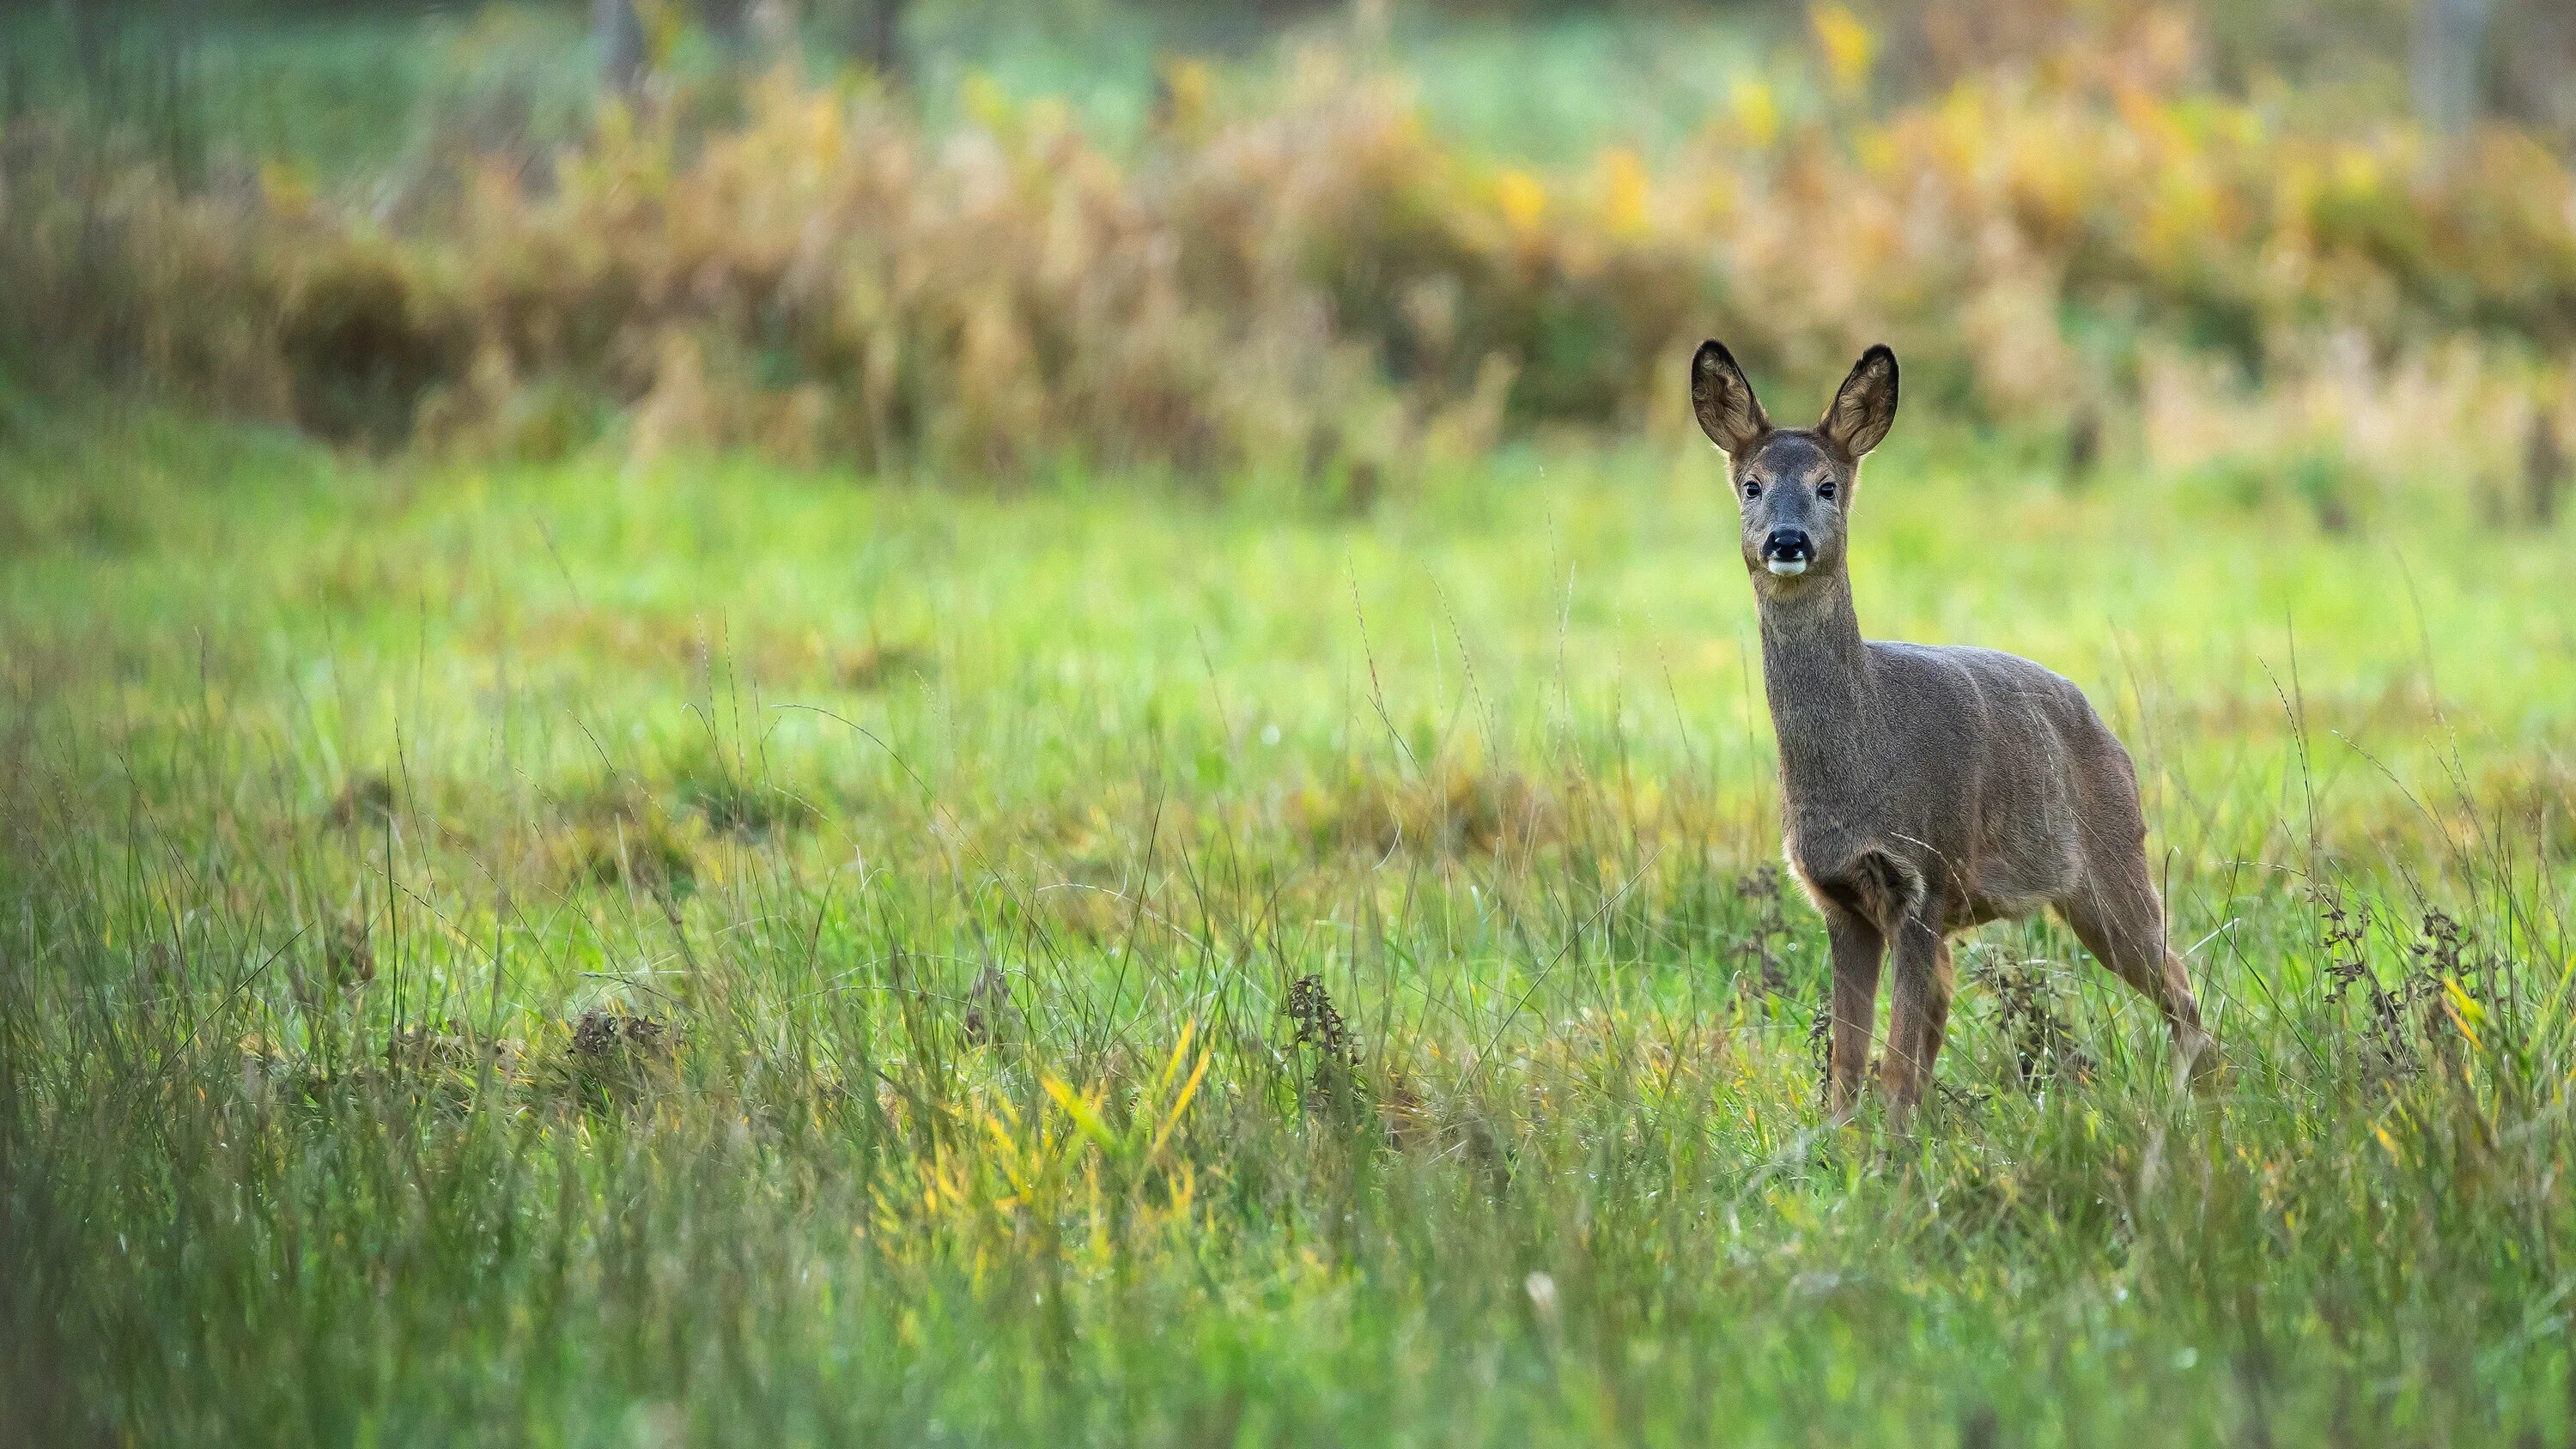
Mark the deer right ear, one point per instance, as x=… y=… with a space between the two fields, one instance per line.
x=1728 y=411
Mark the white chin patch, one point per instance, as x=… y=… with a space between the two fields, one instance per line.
x=1787 y=568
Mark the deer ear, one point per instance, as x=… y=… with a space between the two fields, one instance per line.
x=1728 y=411
x=1865 y=408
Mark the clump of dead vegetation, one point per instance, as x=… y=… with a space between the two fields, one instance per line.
x=2029 y=1009
x=1322 y=1031
x=2447 y=992
x=622 y=834
x=1759 y=951
x=1453 y=809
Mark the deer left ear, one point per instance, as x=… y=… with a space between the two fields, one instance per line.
x=1865 y=408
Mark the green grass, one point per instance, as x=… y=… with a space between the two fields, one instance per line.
x=606 y=955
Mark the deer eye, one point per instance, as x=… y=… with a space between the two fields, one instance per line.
x=1825 y=491
x=1752 y=489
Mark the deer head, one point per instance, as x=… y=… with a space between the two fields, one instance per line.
x=1793 y=486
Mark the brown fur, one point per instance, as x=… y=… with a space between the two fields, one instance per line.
x=1925 y=788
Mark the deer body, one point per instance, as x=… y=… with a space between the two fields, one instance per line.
x=1924 y=789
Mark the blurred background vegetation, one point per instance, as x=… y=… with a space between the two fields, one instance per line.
x=1332 y=242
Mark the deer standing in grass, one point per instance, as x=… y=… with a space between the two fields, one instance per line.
x=1925 y=789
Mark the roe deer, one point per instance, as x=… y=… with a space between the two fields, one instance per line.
x=1925 y=789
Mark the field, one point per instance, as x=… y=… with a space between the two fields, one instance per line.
x=1068 y=746
x=578 y=955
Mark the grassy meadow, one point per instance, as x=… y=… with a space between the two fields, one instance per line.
x=1068 y=748
x=714 y=953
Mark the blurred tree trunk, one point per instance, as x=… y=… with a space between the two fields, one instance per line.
x=2450 y=36
x=884 y=44
x=620 y=34
x=868 y=30
x=728 y=22
x=2532 y=49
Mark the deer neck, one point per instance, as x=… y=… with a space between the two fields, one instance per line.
x=1815 y=672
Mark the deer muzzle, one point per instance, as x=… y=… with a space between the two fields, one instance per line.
x=1786 y=552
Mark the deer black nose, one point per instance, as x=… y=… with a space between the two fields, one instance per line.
x=1789 y=545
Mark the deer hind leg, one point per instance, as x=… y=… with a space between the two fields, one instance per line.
x=2118 y=916
x=1858 y=949
x=1918 y=1017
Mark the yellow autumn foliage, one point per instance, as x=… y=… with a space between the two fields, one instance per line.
x=1310 y=279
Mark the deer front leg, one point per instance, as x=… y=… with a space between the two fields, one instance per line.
x=1857 y=948
x=1918 y=1015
